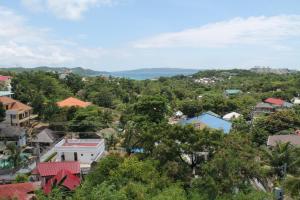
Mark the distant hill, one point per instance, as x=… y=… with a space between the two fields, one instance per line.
x=151 y=73
x=76 y=70
x=138 y=74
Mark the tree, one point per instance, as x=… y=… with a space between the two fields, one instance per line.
x=282 y=159
x=14 y=154
x=292 y=186
x=191 y=107
x=153 y=107
x=74 y=82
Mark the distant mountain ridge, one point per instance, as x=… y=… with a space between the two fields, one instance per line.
x=139 y=74
x=76 y=70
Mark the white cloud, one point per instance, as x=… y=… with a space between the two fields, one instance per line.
x=66 y=9
x=252 y=30
x=23 y=45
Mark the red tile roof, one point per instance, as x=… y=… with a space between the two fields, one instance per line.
x=18 y=190
x=70 y=181
x=4 y=78
x=275 y=101
x=71 y=101
x=14 y=104
x=52 y=168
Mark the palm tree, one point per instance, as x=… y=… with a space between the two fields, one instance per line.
x=14 y=153
x=292 y=186
x=282 y=159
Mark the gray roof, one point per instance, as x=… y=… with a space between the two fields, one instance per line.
x=6 y=130
x=274 y=139
x=45 y=136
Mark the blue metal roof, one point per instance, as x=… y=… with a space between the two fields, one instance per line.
x=210 y=121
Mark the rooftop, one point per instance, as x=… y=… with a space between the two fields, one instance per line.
x=274 y=139
x=14 y=104
x=5 y=78
x=211 y=121
x=52 y=168
x=71 y=101
x=275 y=101
x=19 y=191
x=79 y=143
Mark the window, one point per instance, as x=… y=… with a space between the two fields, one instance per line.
x=92 y=154
x=81 y=154
x=75 y=156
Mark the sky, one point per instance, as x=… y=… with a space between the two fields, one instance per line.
x=112 y=35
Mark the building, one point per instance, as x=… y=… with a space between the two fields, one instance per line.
x=232 y=92
x=17 y=113
x=231 y=116
x=86 y=151
x=264 y=108
x=210 y=121
x=73 y=102
x=13 y=134
x=20 y=191
x=44 y=139
x=292 y=139
x=5 y=82
x=6 y=94
x=296 y=101
x=47 y=170
x=279 y=103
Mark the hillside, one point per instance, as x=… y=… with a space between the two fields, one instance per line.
x=77 y=70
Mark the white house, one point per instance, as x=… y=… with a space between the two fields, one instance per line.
x=85 y=151
x=231 y=116
x=296 y=100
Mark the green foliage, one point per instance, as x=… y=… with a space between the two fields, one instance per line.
x=74 y=82
x=21 y=178
x=191 y=108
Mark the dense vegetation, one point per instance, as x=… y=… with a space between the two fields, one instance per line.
x=172 y=165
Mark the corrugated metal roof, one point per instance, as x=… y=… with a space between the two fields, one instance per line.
x=210 y=121
x=52 y=168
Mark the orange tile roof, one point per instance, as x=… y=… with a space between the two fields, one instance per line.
x=14 y=104
x=18 y=190
x=71 y=101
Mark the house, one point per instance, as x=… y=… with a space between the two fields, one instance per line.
x=20 y=191
x=44 y=139
x=296 y=101
x=294 y=139
x=85 y=151
x=231 y=116
x=13 y=134
x=17 y=113
x=63 y=178
x=278 y=103
x=232 y=92
x=264 y=108
x=47 y=170
x=5 y=82
x=71 y=101
x=210 y=121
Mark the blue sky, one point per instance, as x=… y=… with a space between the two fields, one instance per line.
x=115 y=35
